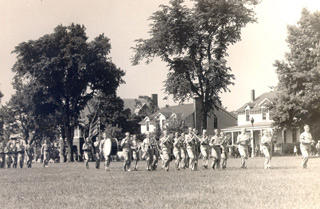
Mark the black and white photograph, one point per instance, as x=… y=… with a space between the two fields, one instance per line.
x=160 y=104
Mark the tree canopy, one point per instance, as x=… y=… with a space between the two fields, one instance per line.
x=194 y=42
x=65 y=71
x=298 y=90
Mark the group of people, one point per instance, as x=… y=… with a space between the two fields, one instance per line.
x=16 y=152
x=187 y=147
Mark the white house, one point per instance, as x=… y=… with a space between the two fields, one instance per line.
x=255 y=117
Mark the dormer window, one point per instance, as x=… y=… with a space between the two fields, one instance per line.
x=247 y=115
x=264 y=113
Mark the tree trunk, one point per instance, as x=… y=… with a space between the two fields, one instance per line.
x=204 y=120
x=69 y=135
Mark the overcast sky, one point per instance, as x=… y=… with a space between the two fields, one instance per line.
x=123 y=21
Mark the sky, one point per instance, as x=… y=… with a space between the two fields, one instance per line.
x=124 y=21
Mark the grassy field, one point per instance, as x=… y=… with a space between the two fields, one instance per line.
x=70 y=185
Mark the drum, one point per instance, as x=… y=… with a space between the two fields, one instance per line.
x=110 y=146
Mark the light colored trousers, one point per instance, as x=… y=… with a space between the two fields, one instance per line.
x=216 y=154
x=305 y=150
x=205 y=153
x=243 y=150
x=267 y=154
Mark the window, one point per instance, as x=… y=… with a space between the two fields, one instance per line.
x=215 y=122
x=247 y=115
x=264 y=113
x=148 y=125
x=294 y=135
x=285 y=136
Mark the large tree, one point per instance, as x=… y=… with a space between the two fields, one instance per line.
x=194 y=42
x=298 y=90
x=67 y=70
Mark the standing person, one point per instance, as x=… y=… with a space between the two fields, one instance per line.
x=224 y=150
x=177 y=144
x=30 y=154
x=204 y=148
x=190 y=141
x=87 y=148
x=126 y=149
x=2 y=155
x=216 y=151
x=156 y=152
x=8 y=153
x=148 y=151
x=45 y=151
x=135 y=148
x=266 y=142
x=165 y=148
x=318 y=148
x=243 y=141
x=295 y=151
x=305 y=145
x=14 y=154
x=196 y=148
x=21 y=153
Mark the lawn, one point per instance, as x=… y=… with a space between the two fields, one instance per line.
x=70 y=185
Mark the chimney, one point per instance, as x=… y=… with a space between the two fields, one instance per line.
x=253 y=95
x=197 y=113
x=155 y=99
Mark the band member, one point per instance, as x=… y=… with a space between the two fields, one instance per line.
x=148 y=151
x=190 y=141
x=45 y=151
x=98 y=155
x=8 y=153
x=243 y=141
x=30 y=154
x=126 y=149
x=135 y=148
x=196 y=148
x=305 y=145
x=87 y=148
x=21 y=153
x=266 y=143
x=224 y=150
x=184 y=162
x=156 y=152
x=165 y=148
x=215 y=143
x=102 y=154
x=2 y=155
x=204 y=148
x=177 y=146
x=14 y=154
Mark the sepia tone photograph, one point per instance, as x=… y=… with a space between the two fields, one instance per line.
x=160 y=104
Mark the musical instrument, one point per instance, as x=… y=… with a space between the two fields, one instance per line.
x=110 y=147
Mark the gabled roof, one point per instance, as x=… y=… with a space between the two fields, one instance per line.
x=183 y=110
x=255 y=104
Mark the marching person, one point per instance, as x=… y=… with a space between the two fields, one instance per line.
x=87 y=148
x=184 y=154
x=102 y=154
x=148 y=151
x=98 y=155
x=30 y=154
x=196 y=148
x=305 y=145
x=2 y=155
x=21 y=153
x=224 y=150
x=190 y=141
x=8 y=153
x=243 y=141
x=135 y=148
x=204 y=148
x=266 y=142
x=156 y=152
x=216 y=151
x=177 y=144
x=14 y=154
x=126 y=149
x=165 y=148
x=45 y=152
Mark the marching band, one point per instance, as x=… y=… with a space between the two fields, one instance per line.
x=184 y=148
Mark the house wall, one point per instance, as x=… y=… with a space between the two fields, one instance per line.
x=224 y=121
x=256 y=116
